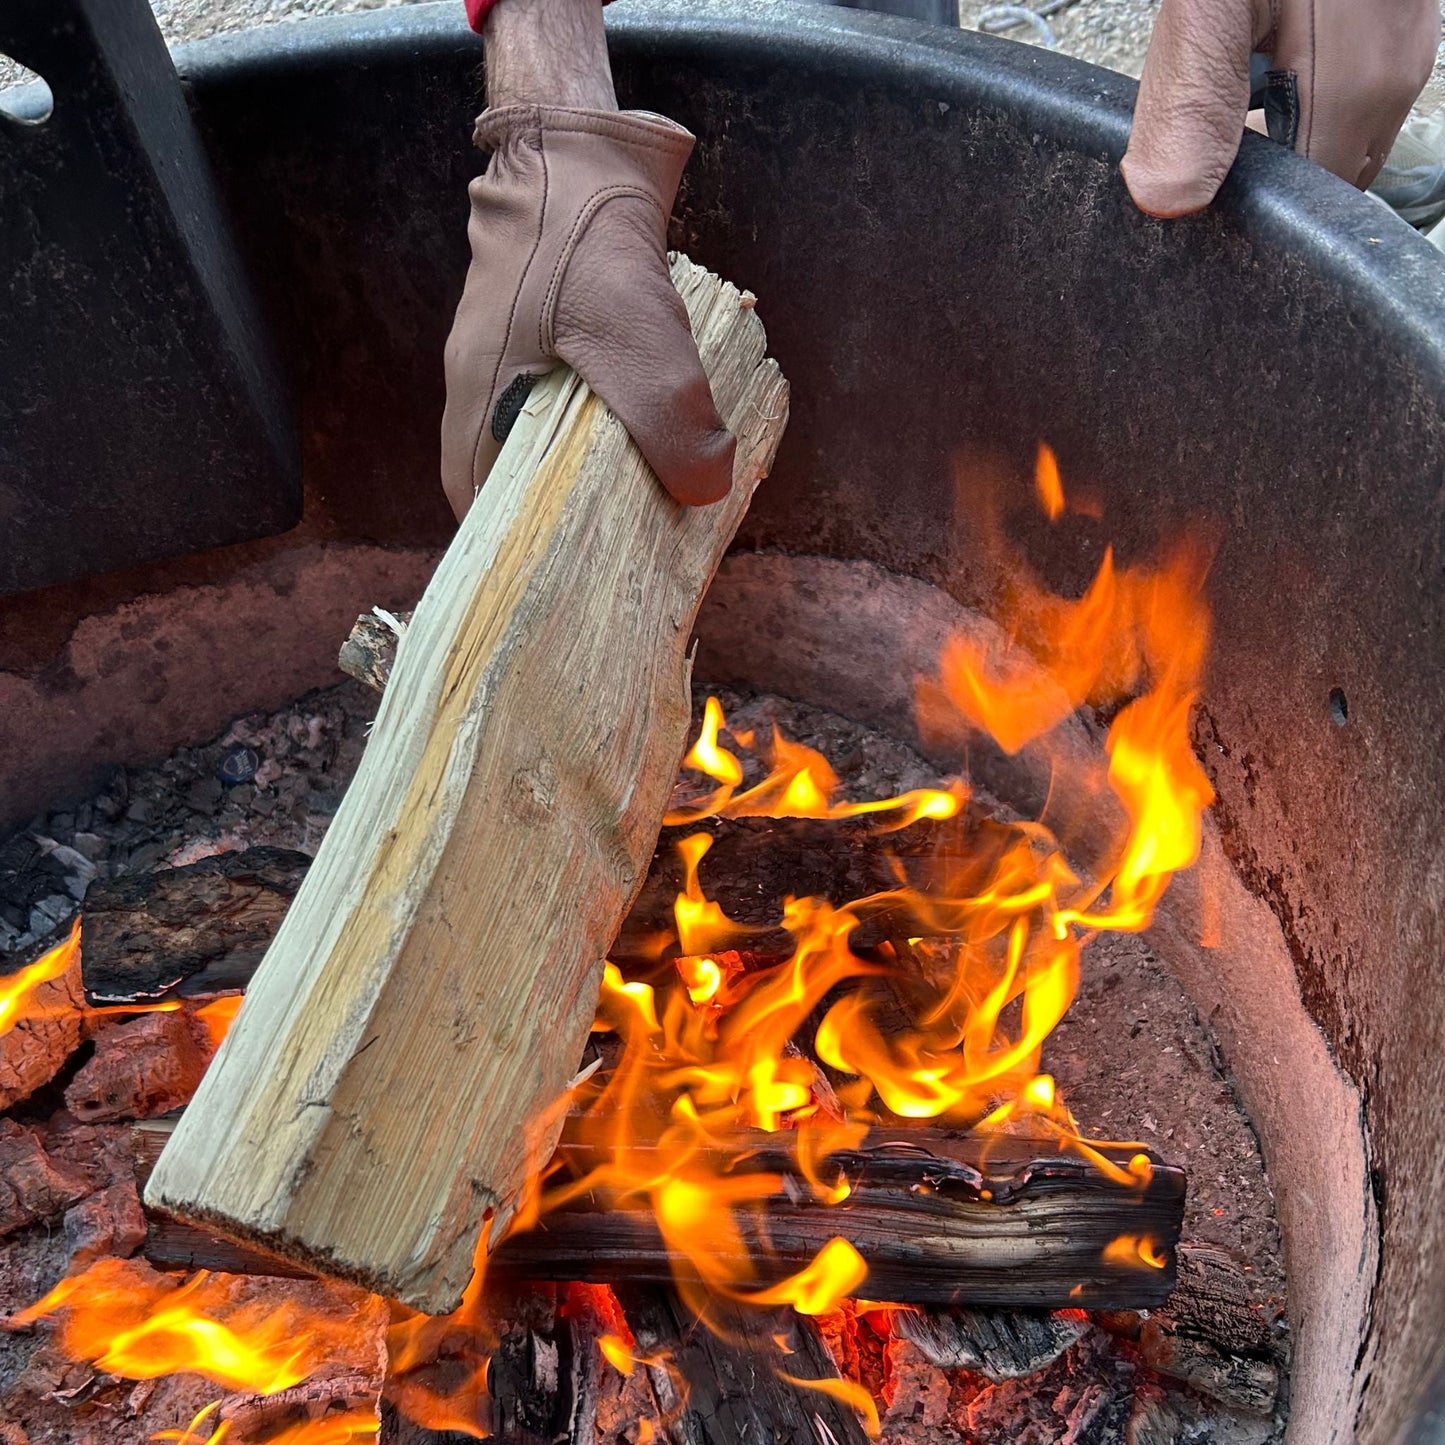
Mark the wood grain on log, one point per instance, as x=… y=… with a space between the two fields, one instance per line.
x=432 y=986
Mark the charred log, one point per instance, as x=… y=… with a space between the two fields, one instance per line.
x=939 y=1220
x=198 y=929
x=733 y=1377
x=1210 y=1337
x=999 y=1344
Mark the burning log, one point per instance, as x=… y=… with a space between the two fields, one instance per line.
x=939 y=1221
x=429 y=993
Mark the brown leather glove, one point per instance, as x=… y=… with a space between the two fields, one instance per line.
x=569 y=264
x=1345 y=73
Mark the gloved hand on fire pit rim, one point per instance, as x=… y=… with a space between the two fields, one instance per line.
x=569 y=260
x=1344 y=74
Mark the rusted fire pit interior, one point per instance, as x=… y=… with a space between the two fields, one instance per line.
x=949 y=270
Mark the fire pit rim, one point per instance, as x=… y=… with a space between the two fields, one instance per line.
x=1272 y=195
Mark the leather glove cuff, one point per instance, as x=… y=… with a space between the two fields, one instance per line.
x=652 y=147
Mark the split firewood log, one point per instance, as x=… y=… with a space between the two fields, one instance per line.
x=432 y=986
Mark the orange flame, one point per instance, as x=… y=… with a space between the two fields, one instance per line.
x=850 y=1393
x=1048 y=484
x=18 y=990
x=131 y=1321
x=454 y=1398
x=800 y=783
x=708 y=1052
x=1140 y=1251
x=832 y=1276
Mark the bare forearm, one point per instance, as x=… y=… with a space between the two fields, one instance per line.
x=548 y=52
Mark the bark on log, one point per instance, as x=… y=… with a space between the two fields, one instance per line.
x=432 y=986
x=201 y=928
x=369 y=652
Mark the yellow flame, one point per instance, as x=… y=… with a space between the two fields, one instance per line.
x=800 y=783
x=832 y=1276
x=618 y=1355
x=130 y=1321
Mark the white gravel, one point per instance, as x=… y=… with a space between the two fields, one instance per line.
x=1114 y=33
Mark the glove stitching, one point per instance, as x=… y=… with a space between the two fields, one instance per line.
x=511 y=322
x=547 y=332
x=625 y=130
x=1304 y=147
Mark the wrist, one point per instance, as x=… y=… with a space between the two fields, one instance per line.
x=548 y=52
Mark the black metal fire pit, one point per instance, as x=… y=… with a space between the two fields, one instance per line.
x=949 y=269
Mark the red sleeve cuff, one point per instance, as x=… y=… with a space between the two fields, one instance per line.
x=477 y=12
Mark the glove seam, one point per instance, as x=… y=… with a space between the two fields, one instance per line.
x=1313 y=53
x=622 y=127
x=546 y=321
x=485 y=426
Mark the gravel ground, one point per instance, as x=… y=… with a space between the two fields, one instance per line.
x=1114 y=33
